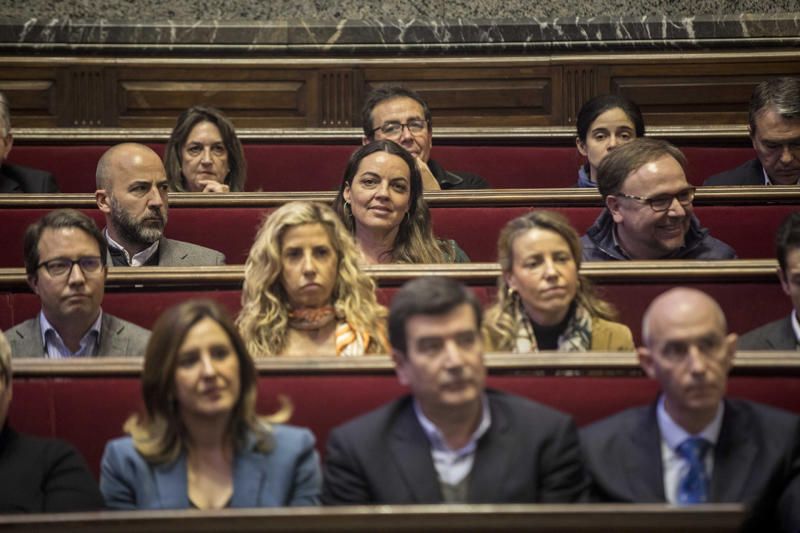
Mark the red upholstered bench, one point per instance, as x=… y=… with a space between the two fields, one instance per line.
x=750 y=229
x=313 y=167
x=90 y=411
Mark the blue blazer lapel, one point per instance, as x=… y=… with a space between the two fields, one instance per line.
x=172 y=484
x=250 y=482
x=642 y=462
x=734 y=457
x=411 y=452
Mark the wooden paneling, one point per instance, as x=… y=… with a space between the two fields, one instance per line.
x=685 y=89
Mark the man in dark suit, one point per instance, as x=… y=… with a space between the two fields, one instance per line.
x=775 y=132
x=132 y=193
x=403 y=116
x=65 y=259
x=39 y=475
x=693 y=445
x=782 y=334
x=451 y=440
x=16 y=178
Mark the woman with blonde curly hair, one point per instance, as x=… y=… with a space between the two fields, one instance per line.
x=544 y=303
x=200 y=442
x=304 y=294
x=380 y=202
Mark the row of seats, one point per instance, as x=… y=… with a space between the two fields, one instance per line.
x=729 y=282
x=66 y=406
x=749 y=229
x=293 y=167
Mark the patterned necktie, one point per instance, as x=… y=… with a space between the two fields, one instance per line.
x=693 y=486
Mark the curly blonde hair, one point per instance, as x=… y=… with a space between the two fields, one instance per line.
x=501 y=321
x=415 y=241
x=264 y=318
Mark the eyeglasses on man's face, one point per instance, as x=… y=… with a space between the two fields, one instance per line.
x=62 y=266
x=662 y=202
x=395 y=129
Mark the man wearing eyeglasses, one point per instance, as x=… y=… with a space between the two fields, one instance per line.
x=649 y=213
x=65 y=260
x=693 y=445
x=774 y=127
x=401 y=115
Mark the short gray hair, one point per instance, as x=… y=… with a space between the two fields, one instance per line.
x=5 y=116
x=5 y=359
x=781 y=93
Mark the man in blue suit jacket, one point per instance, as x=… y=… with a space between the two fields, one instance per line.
x=692 y=445
x=451 y=440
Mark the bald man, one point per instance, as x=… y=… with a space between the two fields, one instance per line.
x=693 y=445
x=132 y=193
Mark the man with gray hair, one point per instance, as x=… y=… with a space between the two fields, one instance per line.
x=775 y=132
x=132 y=193
x=649 y=212
x=39 y=475
x=16 y=178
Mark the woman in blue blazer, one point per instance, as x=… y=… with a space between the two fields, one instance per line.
x=200 y=443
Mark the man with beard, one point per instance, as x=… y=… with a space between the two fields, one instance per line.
x=132 y=193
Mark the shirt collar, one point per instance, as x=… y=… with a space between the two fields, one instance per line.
x=768 y=181
x=54 y=345
x=674 y=435
x=437 y=439
x=138 y=259
x=795 y=327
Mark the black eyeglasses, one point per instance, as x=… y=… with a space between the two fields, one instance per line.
x=395 y=129
x=60 y=266
x=662 y=202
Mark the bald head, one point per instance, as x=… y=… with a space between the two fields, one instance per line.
x=124 y=158
x=678 y=306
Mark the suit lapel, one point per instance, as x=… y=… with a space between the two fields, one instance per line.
x=250 y=481
x=169 y=254
x=785 y=339
x=112 y=342
x=7 y=185
x=643 y=465
x=734 y=456
x=172 y=484
x=492 y=459
x=28 y=341
x=411 y=452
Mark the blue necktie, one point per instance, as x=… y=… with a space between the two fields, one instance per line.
x=693 y=486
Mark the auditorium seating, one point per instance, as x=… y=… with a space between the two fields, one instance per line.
x=86 y=402
x=231 y=229
x=141 y=295
x=312 y=167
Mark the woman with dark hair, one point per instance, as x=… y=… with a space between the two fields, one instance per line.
x=604 y=122
x=380 y=202
x=543 y=302
x=200 y=442
x=204 y=154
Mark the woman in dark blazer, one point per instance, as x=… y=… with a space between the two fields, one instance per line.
x=200 y=443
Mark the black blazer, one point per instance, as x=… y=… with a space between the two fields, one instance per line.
x=529 y=454
x=16 y=178
x=43 y=475
x=749 y=173
x=756 y=459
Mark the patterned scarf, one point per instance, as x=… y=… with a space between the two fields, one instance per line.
x=577 y=337
x=347 y=340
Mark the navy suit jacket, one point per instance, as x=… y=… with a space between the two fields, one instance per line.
x=289 y=475
x=16 y=178
x=749 y=173
x=777 y=335
x=756 y=459
x=530 y=453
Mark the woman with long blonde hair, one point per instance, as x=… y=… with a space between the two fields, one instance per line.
x=199 y=442
x=304 y=293
x=543 y=302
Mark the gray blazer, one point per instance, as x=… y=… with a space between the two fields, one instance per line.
x=179 y=253
x=777 y=335
x=117 y=338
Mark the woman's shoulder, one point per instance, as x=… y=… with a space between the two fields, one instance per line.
x=611 y=336
x=458 y=255
x=292 y=437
